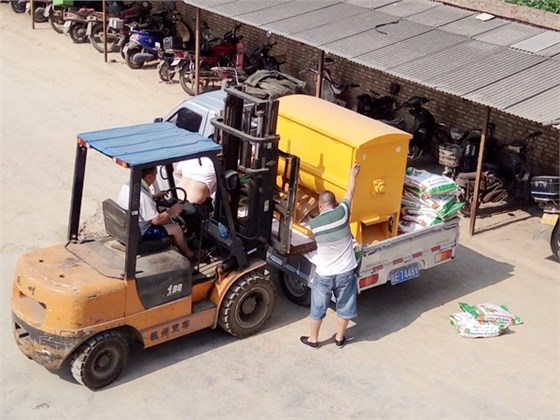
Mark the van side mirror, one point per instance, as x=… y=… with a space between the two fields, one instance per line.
x=158 y=119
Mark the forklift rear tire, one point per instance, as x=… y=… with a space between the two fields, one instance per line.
x=294 y=290
x=248 y=305
x=100 y=360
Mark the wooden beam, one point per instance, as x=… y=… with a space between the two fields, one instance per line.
x=32 y=14
x=474 y=201
x=319 y=79
x=105 y=29
x=198 y=40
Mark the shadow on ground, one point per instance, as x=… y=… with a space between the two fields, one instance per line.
x=383 y=311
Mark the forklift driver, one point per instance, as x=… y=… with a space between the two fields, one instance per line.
x=155 y=225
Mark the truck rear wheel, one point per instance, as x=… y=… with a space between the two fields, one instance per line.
x=248 y=305
x=100 y=360
x=295 y=290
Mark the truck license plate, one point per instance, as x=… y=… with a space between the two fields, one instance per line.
x=405 y=273
x=549 y=219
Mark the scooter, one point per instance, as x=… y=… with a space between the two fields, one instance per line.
x=145 y=46
x=545 y=191
x=330 y=89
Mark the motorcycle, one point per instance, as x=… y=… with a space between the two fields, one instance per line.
x=75 y=23
x=55 y=14
x=129 y=16
x=330 y=90
x=379 y=107
x=492 y=189
x=218 y=63
x=145 y=46
x=427 y=133
x=24 y=6
x=546 y=193
x=260 y=58
x=513 y=160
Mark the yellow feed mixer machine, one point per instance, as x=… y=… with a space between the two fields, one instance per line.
x=328 y=139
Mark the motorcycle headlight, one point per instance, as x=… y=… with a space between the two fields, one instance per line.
x=134 y=37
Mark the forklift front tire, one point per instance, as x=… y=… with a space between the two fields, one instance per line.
x=100 y=360
x=248 y=305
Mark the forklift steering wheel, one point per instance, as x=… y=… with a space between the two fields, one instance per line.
x=180 y=189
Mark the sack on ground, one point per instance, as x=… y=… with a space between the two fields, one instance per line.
x=490 y=312
x=468 y=326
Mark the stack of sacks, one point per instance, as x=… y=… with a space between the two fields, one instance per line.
x=428 y=199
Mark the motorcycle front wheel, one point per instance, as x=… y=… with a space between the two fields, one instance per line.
x=78 y=32
x=165 y=72
x=96 y=38
x=187 y=79
x=128 y=57
x=56 y=19
x=18 y=7
x=39 y=15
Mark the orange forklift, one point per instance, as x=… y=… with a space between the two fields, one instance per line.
x=85 y=301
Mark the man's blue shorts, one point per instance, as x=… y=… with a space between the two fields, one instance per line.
x=345 y=292
x=155 y=233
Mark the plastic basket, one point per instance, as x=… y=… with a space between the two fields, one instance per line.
x=450 y=154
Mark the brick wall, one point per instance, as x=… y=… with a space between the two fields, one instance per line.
x=449 y=109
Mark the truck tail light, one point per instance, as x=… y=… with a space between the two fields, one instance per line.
x=369 y=280
x=444 y=255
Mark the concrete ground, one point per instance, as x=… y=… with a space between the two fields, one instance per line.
x=403 y=360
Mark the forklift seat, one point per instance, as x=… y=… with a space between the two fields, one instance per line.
x=116 y=225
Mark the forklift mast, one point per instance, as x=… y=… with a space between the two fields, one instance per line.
x=250 y=162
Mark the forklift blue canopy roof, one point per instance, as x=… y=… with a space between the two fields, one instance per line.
x=154 y=143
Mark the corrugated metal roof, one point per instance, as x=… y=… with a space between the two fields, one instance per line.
x=371 y=40
x=539 y=42
x=406 y=8
x=514 y=89
x=286 y=10
x=476 y=75
x=505 y=65
x=440 y=15
x=370 y=4
x=409 y=49
x=509 y=34
x=471 y=26
x=533 y=108
x=313 y=19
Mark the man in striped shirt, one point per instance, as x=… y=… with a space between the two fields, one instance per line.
x=335 y=264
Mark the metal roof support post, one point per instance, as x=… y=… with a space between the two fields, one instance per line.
x=32 y=14
x=197 y=53
x=105 y=29
x=474 y=200
x=319 y=80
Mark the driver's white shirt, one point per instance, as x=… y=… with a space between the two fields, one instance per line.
x=148 y=209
